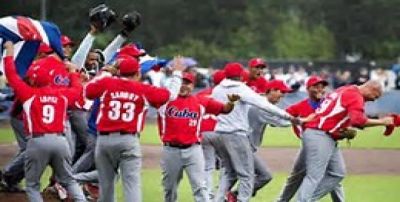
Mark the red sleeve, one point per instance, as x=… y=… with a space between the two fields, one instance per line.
x=396 y=120
x=212 y=106
x=22 y=90
x=293 y=110
x=156 y=96
x=95 y=87
x=354 y=103
x=74 y=92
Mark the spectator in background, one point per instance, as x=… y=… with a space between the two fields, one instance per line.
x=341 y=78
x=384 y=77
x=362 y=76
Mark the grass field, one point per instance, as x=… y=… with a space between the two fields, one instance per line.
x=275 y=137
x=358 y=188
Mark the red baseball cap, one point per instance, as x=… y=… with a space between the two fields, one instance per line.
x=314 y=80
x=188 y=76
x=65 y=41
x=257 y=62
x=43 y=48
x=128 y=65
x=131 y=50
x=218 y=76
x=278 y=85
x=233 y=69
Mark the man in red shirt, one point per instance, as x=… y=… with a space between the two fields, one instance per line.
x=256 y=78
x=44 y=117
x=316 y=90
x=179 y=126
x=119 y=122
x=340 y=109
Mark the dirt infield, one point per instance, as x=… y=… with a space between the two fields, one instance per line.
x=358 y=161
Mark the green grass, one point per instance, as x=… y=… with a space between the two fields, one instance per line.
x=274 y=137
x=284 y=137
x=365 y=188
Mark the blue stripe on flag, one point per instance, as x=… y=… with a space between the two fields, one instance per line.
x=54 y=35
x=25 y=56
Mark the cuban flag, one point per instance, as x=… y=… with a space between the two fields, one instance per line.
x=27 y=34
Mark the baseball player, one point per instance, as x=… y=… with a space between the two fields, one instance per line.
x=179 y=126
x=316 y=90
x=44 y=116
x=340 y=109
x=119 y=121
x=255 y=78
x=207 y=131
x=258 y=121
x=232 y=129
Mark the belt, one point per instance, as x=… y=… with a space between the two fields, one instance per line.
x=37 y=135
x=117 y=133
x=180 y=146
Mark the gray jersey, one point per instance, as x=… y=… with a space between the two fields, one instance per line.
x=237 y=120
x=258 y=120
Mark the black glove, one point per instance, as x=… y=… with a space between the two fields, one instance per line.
x=131 y=21
x=101 y=16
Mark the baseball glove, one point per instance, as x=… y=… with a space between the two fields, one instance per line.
x=389 y=129
x=101 y=16
x=131 y=21
x=347 y=134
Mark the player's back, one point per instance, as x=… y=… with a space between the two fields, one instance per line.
x=45 y=111
x=122 y=105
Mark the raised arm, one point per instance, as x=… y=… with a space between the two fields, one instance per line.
x=22 y=90
x=81 y=53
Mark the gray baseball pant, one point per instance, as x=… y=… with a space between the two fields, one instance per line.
x=91 y=176
x=262 y=175
x=322 y=157
x=50 y=149
x=85 y=162
x=237 y=159
x=13 y=172
x=78 y=121
x=173 y=161
x=296 y=177
x=210 y=159
x=119 y=151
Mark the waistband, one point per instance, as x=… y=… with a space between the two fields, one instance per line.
x=37 y=135
x=118 y=133
x=180 y=146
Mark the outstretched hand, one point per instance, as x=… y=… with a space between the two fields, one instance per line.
x=9 y=46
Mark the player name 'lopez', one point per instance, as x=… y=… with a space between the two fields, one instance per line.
x=48 y=99
x=124 y=95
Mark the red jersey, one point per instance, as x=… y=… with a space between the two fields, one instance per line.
x=258 y=85
x=209 y=120
x=180 y=119
x=302 y=109
x=123 y=102
x=340 y=109
x=44 y=108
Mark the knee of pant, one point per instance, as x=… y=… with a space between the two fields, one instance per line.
x=340 y=173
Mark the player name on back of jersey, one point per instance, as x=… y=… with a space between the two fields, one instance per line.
x=185 y=113
x=48 y=99
x=124 y=95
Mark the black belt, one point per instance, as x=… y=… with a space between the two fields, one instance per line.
x=180 y=146
x=120 y=133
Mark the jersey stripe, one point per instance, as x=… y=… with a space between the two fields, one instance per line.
x=27 y=107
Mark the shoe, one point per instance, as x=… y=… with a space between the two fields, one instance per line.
x=91 y=191
x=12 y=188
x=62 y=193
x=230 y=197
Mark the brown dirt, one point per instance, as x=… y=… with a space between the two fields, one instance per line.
x=358 y=161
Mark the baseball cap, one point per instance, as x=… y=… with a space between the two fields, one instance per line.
x=313 y=80
x=65 y=41
x=128 y=65
x=218 y=76
x=257 y=62
x=278 y=85
x=233 y=69
x=131 y=50
x=188 y=76
x=43 y=48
